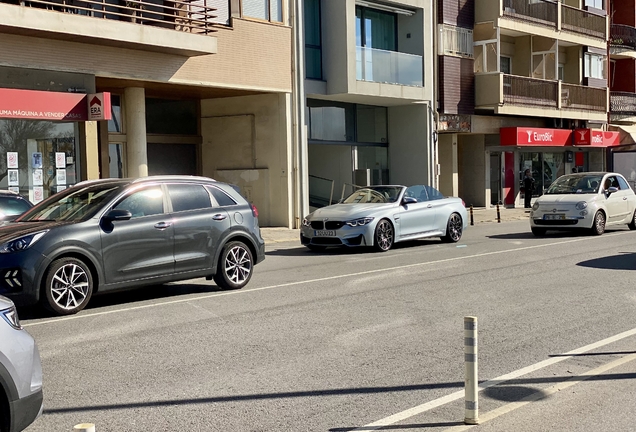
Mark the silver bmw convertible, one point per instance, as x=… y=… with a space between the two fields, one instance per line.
x=379 y=216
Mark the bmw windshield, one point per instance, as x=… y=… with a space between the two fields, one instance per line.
x=575 y=184
x=377 y=194
x=74 y=204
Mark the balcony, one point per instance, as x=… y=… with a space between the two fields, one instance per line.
x=541 y=13
x=388 y=67
x=622 y=41
x=622 y=106
x=518 y=95
x=180 y=27
x=583 y=22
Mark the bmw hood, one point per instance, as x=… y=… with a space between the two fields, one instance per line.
x=14 y=230
x=349 y=211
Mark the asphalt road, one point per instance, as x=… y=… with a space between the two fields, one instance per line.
x=354 y=339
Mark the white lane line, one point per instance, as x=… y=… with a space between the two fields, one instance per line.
x=296 y=283
x=505 y=409
x=395 y=418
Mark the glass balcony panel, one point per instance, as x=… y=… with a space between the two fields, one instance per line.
x=388 y=67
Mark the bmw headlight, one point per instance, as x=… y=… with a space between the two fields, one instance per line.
x=535 y=206
x=359 y=222
x=11 y=317
x=306 y=222
x=21 y=243
x=581 y=205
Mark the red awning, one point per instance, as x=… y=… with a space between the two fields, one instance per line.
x=544 y=137
x=45 y=105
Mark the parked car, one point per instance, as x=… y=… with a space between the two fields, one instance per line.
x=12 y=205
x=109 y=234
x=20 y=372
x=380 y=216
x=588 y=201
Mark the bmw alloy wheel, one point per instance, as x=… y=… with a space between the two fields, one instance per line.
x=235 y=266
x=69 y=286
x=383 y=235
x=454 y=229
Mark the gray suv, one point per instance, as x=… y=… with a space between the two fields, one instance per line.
x=20 y=372
x=111 y=234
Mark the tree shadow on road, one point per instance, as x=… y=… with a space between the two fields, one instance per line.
x=622 y=261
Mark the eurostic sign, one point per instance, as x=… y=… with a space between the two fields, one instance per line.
x=523 y=136
x=45 y=105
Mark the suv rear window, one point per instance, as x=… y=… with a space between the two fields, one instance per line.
x=221 y=197
x=188 y=197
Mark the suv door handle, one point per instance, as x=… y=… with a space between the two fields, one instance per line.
x=163 y=225
x=219 y=217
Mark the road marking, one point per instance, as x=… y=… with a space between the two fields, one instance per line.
x=395 y=418
x=505 y=409
x=296 y=283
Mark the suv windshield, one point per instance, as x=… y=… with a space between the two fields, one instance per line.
x=376 y=194
x=575 y=184
x=75 y=204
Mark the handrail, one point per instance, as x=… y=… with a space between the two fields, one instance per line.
x=328 y=180
x=182 y=15
x=344 y=185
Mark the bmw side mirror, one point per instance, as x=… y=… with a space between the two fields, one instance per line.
x=408 y=200
x=118 y=215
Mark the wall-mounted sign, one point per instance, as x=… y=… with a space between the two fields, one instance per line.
x=453 y=123
x=46 y=105
x=524 y=136
x=99 y=107
x=12 y=159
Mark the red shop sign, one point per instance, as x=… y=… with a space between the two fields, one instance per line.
x=45 y=105
x=596 y=138
x=523 y=136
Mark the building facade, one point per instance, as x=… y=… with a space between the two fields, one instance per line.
x=196 y=87
x=538 y=67
x=368 y=93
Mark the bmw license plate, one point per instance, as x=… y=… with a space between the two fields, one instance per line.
x=325 y=233
x=554 y=217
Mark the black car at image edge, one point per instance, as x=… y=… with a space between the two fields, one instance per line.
x=110 y=234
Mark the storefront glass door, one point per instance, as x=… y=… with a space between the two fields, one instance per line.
x=545 y=168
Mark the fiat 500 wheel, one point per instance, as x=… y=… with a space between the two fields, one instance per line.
x=454 y=229
x=68 y=286
x=236 y=266
x=632 y=223
x=598 y=227
x=384 y=236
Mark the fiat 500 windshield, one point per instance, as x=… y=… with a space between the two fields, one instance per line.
x=575 y=184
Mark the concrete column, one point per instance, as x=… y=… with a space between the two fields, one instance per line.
x=136 y=145
x=89 y=151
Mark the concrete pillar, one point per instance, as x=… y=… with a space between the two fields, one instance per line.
x=136 y=145
x=89 y=161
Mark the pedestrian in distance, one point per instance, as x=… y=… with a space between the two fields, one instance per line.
x=528 y=187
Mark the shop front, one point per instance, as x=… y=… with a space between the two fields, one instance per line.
x=549 y=154
x=43 y=139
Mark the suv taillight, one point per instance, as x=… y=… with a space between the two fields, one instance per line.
x=254 y=210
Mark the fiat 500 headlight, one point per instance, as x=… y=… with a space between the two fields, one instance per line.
x=359 y=222
x=21 y=243
x=581 y=205
x=535 y=206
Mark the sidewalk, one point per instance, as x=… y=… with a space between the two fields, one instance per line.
x=480 y=215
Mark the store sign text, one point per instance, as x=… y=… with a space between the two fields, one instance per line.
x=46 y=105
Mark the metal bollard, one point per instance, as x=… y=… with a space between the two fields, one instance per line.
x=472 y=220
x=84 y=427
x=498 y=214
x=471 y=388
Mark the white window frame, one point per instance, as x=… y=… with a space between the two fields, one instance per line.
x=482 y=45
x=594 y=69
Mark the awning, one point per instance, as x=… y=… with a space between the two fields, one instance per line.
x=626 y=133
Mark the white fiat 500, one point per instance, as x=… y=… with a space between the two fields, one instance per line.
x=588 y=201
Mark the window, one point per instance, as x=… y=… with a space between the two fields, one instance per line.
x=455 y=41
x=331 y=121
x=505 y=65
x=544 y=65
x=221 y=197
x=622 y=183
x=313 y=46
x=175 y=117
x=376 y=29
x=186 y=197
x=561 y=72
x=598 y=4
x=594 y=66
x=371 y=124
x=146 y=202
x=268 y=10
x=114 y=124
x=486 y=54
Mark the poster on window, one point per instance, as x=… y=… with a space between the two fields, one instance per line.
x=36 y=160
x=61 y=188
x=38 y=194
x=12 y=159
x=60 y=160
x=60 y=175
x=14 y=189
x=37 y=177
x=13 y=178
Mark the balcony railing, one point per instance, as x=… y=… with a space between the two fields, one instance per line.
x=583 y=98
x=192 y=16
x=622 y=104
x=623 y=36
x=518 y=90
x=583 y=22
x=543 y=12
x=388 y=67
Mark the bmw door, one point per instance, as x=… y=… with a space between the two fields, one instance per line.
x=142 y=247
x=416 y=219
x=199 y=224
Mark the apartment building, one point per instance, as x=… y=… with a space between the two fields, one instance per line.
x=522 y=84
x=622 y=84
x=368 y=93
x=108 y=88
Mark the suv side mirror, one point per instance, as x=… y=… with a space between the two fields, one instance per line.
x=118 y=215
